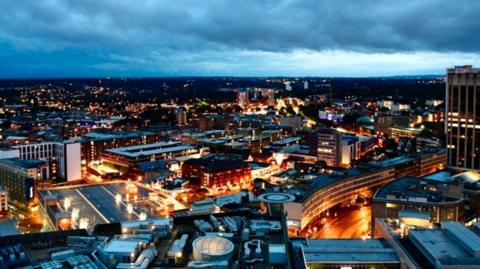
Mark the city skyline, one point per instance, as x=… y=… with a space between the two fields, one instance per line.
x=286 y=38
x=287 y=134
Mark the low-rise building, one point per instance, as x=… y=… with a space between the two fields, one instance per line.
x=443 y=201
x=218 y=170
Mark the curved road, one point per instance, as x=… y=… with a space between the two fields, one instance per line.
x=350 y=223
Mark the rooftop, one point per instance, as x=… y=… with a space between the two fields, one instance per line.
x=26 y=164
x=414 y=189
x=121 y=246
x=349 y=251
x=114 y=135
x=218 y=162
x=453 y=243
x=151 y=149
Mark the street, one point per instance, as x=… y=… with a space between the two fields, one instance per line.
x=349 y=223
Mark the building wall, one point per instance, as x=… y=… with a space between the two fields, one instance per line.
x=73 y=162
x=235 y=175
x=3 y=203
x=383 y=123
x=20 y=187
x=91 y=149
x=328 y=150
x=342 y=191
x=11 y=153
x=463 y=117
x=438 y=211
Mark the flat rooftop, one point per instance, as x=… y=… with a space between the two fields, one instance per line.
x=121 y=246
x=391 y=162
x=442 y=175
x=151 y=149
x=439 y=243
x=348 y=251
x=413 y=189
x=26 y=164
x=286 y=141
x=115 y=135
x=98 y=202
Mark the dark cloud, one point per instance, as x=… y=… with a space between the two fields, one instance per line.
x=143 y=32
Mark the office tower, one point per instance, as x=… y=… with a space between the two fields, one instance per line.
x=305 y=85
x=181 y=116
x=462 y=110
x=268 y=96
x=288 y=86
x=329 y=146
x=242 y=97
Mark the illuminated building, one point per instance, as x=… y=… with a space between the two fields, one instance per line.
x=3 y=203
x=268 y=95
x=350 y=150
x=63 y=158
x=95 y=143
x=410 y=132
x=383 y=123
x=218 y=170
x=68 y=156
x=128 y=159
x=386 y=104
x=85 y=206
x=329 y=146
x=400 y=107
x=463 y=117
x=450 y=245
x=242 y=97
x=294 y=122
x=329 y=190
x=181 y=116
x=256 y=142
x=345 y=253
x=442 y=200
x=290 y=142
x=213 y=121
x=19 y=178
x=434 y=102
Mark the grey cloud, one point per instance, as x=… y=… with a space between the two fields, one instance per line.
x=205 y=37
x=276 y=25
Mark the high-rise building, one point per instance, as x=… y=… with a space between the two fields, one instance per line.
x=288 y=86
x=329 y=146
x=242 y=97
x=181 y=116
x=462 y=108
x=268 y=96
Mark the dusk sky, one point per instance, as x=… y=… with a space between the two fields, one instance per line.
x=63 y=38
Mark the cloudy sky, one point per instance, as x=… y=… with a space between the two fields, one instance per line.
x=71 y=38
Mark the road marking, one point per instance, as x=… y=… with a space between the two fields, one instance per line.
x=92 y=206
x=103 y=187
